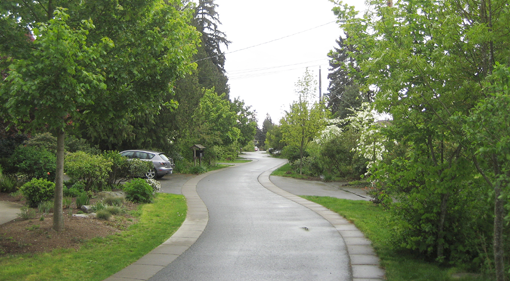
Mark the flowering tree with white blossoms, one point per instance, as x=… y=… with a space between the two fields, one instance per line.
x=371 y=141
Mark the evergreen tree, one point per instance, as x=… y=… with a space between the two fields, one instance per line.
x=210 y=57
x=344 y=92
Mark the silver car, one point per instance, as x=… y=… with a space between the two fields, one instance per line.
x=162 y=164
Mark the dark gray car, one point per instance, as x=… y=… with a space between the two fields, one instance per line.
x=162 y=164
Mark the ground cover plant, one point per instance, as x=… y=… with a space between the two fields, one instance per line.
x=100 y=257
x=373 y=220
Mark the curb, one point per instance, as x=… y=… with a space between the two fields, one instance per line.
x=196 y=220
x=363 y=259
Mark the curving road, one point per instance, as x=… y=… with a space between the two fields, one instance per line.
x=255 y=234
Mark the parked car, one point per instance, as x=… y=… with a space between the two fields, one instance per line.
x=162 y=164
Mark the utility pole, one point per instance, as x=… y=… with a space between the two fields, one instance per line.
x=320 y=85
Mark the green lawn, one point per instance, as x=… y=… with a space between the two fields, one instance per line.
x=286 y=171
x=99 y=258
x=372 y=220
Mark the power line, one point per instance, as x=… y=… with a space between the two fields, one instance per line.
x=267 y=42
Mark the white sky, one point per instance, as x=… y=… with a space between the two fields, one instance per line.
x=264 y=76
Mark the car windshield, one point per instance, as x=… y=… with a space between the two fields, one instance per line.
x=163 y=156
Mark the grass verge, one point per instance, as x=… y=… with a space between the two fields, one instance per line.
x=286 y=171
x=373 y=220
x=99 y=258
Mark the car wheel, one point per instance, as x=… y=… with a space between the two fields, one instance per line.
x=150 y=174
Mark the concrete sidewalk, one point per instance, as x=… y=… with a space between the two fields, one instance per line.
x=8 y=211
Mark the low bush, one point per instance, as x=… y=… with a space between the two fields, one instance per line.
x=92 y=170
x=103 y=215
x=120 y=167
x=137 y=190
x=45 y=207
x=66 y=202
x=27 y=213
x=38 y=190
x=8 y=183
x=114 y=210
x=114 y=201
x=82 y=199
x=156 y=185
x=138 y=168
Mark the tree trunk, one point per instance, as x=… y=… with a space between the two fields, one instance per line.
x=58 y=216
x=440 y=232
x=499 y=209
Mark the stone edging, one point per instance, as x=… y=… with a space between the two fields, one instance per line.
x=363 y=259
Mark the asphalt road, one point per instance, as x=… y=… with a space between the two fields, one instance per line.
x=254 y=234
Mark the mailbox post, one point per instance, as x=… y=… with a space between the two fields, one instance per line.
x=198 y=153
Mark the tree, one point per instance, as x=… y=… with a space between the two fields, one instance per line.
x=305 y=118
x=246 y=122
x=487 y=128
x=30 y=95
x=427 y=61
x=343 y=91
x=210 y=57
x=100 y=77
x=267 y=126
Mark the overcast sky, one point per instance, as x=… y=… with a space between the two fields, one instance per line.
x=300 y=35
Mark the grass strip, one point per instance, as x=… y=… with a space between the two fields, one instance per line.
x=373 y=221
x=99 y=258
x=287 y=171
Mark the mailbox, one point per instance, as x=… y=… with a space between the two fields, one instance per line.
x=198 y=153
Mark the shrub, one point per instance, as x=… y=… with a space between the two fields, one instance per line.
x=114 y=201
x=82 y=199
x=34 y=162
x=27 y=213
x=197 y=170
x=9 y=144
x=92 y=170
x=74 y=144
x=74 y=190
x=66 y=202
x=114 y=210
x=138 y=168
x=8 y=183
x=156 y=185
x=137 y=190
x=38 y=190
x=120 y=167
x=103 y=215
x=44 y=141
x=45 y=207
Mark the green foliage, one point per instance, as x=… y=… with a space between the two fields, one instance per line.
x=8 y=183
x=9 y=144
x=45 y=207
x=274 y=138
x=138 y=168
x=99 y=259
x=27 y=213
x=33 y=162
x=92 y=170
x=197 y=170
x=43 y=141
x=114 y=201
x=66 y=202
x=103 y=214
x=74 y=144
x=120 y=167
x=74 y=190
x=114 y=210
x=305 y=119
x=137 y=190
x=82 y=199
x=38 y=190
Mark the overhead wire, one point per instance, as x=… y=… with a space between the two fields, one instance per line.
x=267 y=42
